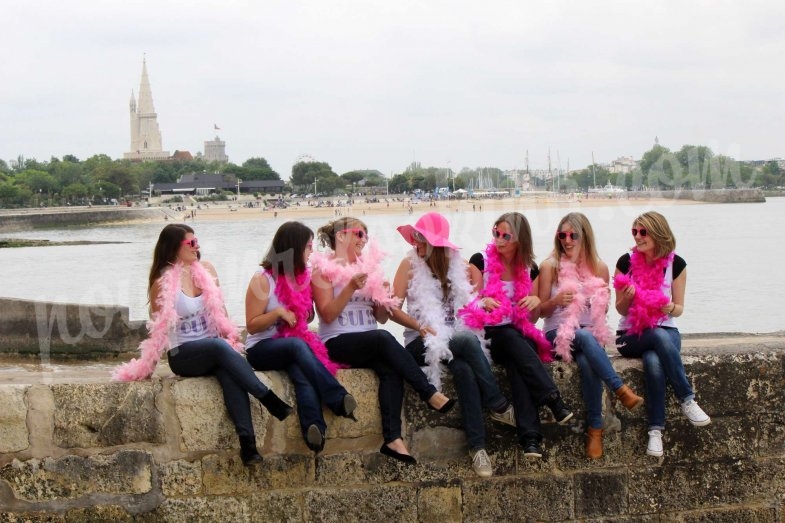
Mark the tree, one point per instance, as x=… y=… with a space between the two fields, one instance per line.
x=305 y=173
x=256 y=169
x=122 y=177
x=400 y=183
x=771 y=174
x=37 y=181
x=74 y=192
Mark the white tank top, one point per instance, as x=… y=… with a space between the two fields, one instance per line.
x=553 y=321
x=357 y=316
x=191 y=320
x=272 y=303
x=667 y=283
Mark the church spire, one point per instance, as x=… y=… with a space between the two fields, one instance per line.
x=145 y=134
x=145 y=93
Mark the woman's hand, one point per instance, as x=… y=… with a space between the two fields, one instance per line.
x=529 y=303
x=359 y=280
x=489 y=304
x=287 y=316
x=628 y=292
x=425 y=330
x=563 y=299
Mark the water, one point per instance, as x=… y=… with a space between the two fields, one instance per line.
x=724 y=245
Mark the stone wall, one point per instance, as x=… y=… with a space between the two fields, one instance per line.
x=164 y=450
x=706 y=195
x=24 y=219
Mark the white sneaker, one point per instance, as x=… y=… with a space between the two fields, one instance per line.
x=695 y=414
x=654 y=448
x=507 y=417
x=481 y=463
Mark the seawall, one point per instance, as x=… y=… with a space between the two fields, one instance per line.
x=77 y=447
x=26 y=219
x=706 y=195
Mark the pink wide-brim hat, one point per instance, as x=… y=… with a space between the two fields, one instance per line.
x=433 y=226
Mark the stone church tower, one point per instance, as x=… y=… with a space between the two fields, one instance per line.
x=145 y=135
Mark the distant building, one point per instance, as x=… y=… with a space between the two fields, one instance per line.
x=623 y=165
x=145 y=134
x=182 y=156
x=207 y=183
x=215 y=151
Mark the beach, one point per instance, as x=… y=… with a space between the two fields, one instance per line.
x=302 y=209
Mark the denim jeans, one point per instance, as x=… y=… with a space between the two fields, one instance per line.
x=313 y=383
x=530 y=383
x=660 y=350
x=378 y=350
x=595 y=368
x=474 y=382
x=215 y=357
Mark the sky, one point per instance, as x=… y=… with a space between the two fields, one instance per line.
x=378 y=85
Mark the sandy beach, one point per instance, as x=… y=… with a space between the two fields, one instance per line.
x=302 y=209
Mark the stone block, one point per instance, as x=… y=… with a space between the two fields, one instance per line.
x=600 y=493
x=180 y=478
x=771 y=434
x=279 y=506
x=340 y=469
x=226 y=474
x=763 y=514
x=389 y=503
x=31 y=517
x=112 y=513
x=204 y=422
x=435 y=504
x=13 y=418
x=73 y=477
x=106 y=414
x=364 y=386
x=199 y=509
x=531 y=498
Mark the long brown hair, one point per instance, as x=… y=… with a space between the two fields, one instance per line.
x=657 y=227
x=286 y=254
x=165 y=253
x=438 y=260
x=519 y=226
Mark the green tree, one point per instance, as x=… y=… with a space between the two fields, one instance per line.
x=37 y=181
x=75 y=192
x=771 y=175
x=305 y=173
x=257 y=169
x=122 y=177
x=400 y=183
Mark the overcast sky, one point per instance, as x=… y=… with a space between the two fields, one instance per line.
x=376 y=85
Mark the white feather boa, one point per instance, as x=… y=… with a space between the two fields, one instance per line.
x=425 y=304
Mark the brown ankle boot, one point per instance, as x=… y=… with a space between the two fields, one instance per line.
x=628 y=398
x=594 y=443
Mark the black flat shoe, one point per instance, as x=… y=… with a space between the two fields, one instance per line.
x=314 y=438
x=348 y=404
x=447 y=407
x=403 y=458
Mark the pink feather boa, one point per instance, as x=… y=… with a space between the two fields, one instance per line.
x=645 y=310
x=589 y=291
x=164 y=322
x=475 y=317
x=300 y=303
x=369 y=263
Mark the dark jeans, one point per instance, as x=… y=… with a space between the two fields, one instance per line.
x=660 y=350
x=530 y=383
x=215 y=357
x=378 y=350
x=313 y=383
x=474 y=382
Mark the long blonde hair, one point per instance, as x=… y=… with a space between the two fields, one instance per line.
x=326 y=233
x=580 y=224
x=657 y=227
x=519 y=225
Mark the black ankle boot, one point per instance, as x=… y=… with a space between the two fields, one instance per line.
x=248 y=452
x=560 y=411
x=276 y=406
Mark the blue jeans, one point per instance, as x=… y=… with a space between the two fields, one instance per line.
x=474 y=382
x=215 y=357
x=313 y=383
x=595 y=368
x=378 y=350
x=660 y=350
x=530 y=383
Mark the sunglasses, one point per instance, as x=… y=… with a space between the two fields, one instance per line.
x=418 y=237
x=503 y=235
x=642 y=232
x=574 y=236
x=193 y=242
x=360 y=233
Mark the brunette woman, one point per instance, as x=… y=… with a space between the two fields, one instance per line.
x=506 y=307
x=650 y=283
x=278 y=308
x=574 y=297
x=188 y=318
x=351 y=296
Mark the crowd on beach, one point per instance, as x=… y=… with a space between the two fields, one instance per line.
x=459 y=316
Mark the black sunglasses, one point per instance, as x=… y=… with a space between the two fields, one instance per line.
x=641 y=231
x=574 y=236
